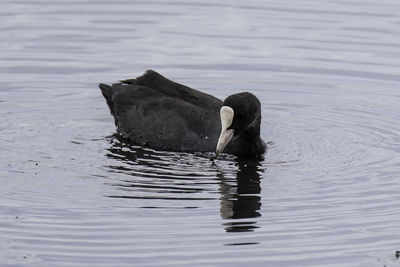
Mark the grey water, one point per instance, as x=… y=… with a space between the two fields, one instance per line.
x=326 y=192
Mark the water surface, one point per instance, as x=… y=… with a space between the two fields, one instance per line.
x=326 y=192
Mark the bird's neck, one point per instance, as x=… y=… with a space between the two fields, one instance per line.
x=249 y=142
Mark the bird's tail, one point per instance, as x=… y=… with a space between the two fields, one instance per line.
x=107 y=92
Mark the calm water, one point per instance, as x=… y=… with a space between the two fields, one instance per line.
x=326 y=193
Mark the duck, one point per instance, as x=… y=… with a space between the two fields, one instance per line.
x=161 y=114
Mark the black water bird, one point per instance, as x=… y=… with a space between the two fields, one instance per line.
x=156 y=112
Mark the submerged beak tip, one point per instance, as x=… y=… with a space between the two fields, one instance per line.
x=224 y=139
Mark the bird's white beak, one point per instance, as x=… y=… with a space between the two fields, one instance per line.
x=226 y=114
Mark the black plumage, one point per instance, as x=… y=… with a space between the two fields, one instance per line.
x=156 y=112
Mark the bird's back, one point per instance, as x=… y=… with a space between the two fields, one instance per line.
x=159 y=83
x=156 y=112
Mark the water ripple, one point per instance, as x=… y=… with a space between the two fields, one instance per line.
x=325 y=194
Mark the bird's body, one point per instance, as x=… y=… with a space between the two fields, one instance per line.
x=156 y=112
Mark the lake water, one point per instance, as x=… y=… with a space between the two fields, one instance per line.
x=326 y=193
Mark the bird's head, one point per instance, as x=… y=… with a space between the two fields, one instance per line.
x=238 y=113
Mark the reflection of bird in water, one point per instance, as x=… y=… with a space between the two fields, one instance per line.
x=158 y=113
x=149 y=174
x=241 y=200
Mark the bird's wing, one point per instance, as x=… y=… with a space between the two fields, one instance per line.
x=159 y=83
x=150 y=118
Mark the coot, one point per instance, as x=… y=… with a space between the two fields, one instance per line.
x=156 y=112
